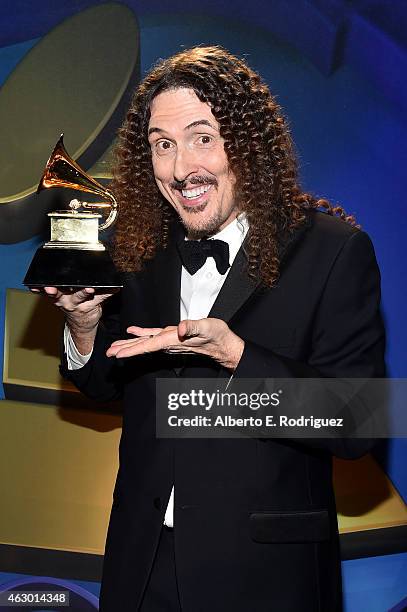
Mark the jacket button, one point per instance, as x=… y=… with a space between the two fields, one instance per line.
x=157 y=503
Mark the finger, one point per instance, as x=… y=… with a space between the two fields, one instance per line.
x=120 y=344
x=86 y=292
x=83 y=295
x=113 y=350
x=145 y=344
x=128 y=342
x=75 y=297
x=144 y=331
x=75 y=290
x=124 y=349
x=51 y=291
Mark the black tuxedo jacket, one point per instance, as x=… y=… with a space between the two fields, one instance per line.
x=255 y=520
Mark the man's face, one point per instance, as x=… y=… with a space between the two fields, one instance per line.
x=189 y=162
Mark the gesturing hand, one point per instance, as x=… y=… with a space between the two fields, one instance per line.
x=211 y=337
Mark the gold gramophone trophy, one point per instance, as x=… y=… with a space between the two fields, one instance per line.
x=74 y=257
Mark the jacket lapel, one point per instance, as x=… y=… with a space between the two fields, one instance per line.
x=235 y=291
x=167 y=280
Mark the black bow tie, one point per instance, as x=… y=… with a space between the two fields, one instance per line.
x=194 y=253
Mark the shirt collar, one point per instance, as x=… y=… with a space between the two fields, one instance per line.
x=234 y=234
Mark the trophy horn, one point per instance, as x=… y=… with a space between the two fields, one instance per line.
x=62 y=171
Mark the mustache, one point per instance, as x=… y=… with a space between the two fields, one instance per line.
x=194 y=180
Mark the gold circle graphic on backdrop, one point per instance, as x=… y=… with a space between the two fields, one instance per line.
x=76 y=80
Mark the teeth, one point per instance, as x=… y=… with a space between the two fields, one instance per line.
x=194 y=193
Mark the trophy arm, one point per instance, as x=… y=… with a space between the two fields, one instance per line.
x=113 y=212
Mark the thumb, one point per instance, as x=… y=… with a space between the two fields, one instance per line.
x=188 y=328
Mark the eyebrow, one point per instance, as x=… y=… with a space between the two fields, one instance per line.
x=158 y=130
x=200 y=122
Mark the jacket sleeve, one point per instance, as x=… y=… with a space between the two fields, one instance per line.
x=100 y=377
x=348 y=338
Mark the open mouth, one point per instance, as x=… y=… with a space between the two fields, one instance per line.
x=193 y=196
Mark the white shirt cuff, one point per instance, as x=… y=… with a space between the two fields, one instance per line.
x=74 y=358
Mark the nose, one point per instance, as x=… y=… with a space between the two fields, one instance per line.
x=185 y=164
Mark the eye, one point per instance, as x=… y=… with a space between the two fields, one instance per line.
x=205 y=139
x=162 y=147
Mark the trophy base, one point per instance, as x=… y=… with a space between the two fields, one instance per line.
x=76 y=246
x=69 y=268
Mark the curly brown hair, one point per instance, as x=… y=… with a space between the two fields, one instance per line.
x=258 y=146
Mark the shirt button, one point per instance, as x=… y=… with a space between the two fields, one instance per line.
x=209 y=275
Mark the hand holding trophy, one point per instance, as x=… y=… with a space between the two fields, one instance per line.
x=74 y=258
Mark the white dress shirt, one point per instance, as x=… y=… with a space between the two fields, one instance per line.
x=198 y=294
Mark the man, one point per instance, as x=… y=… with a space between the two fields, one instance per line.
x=225 y=259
